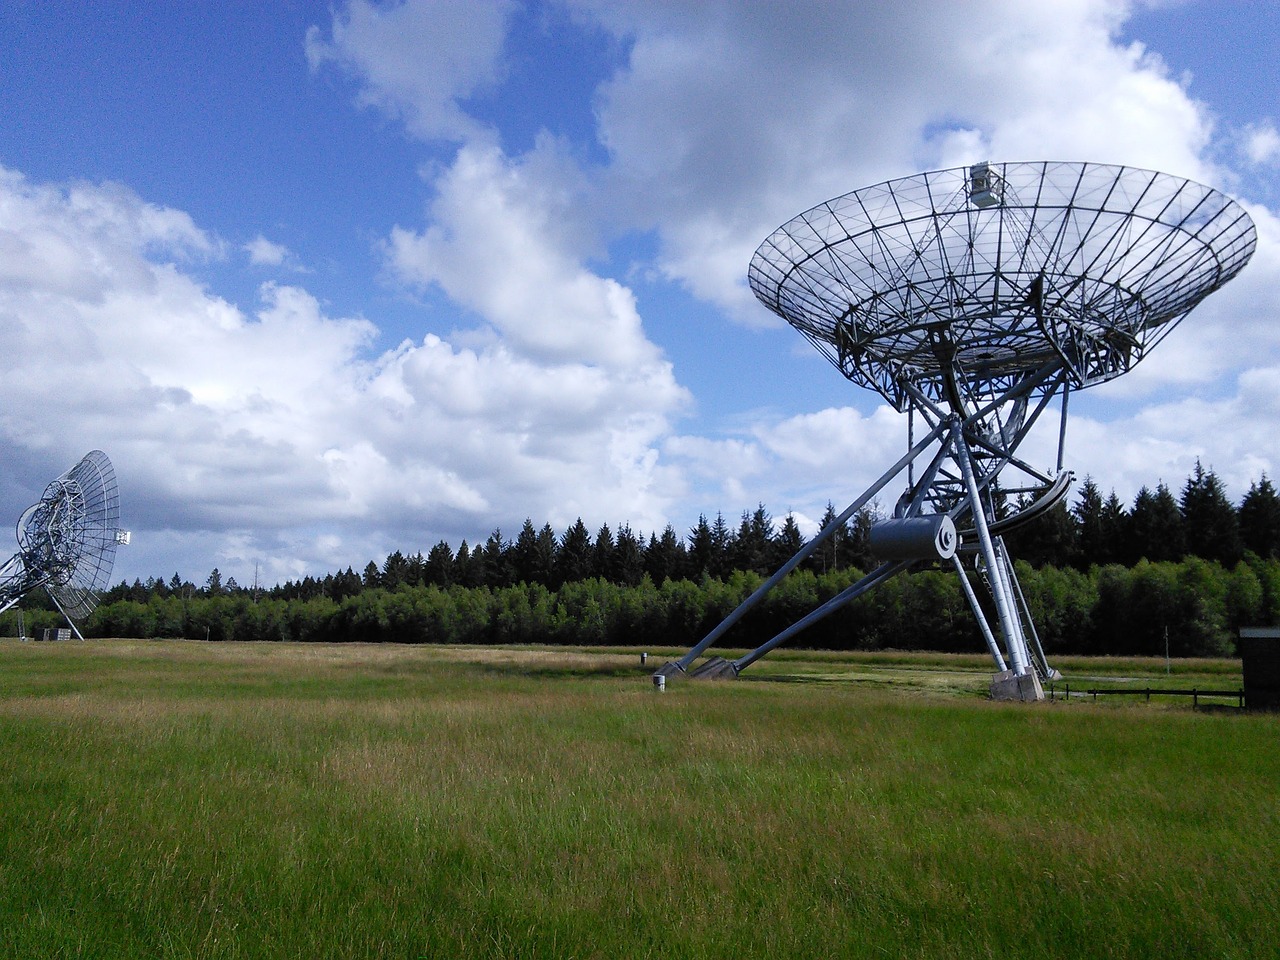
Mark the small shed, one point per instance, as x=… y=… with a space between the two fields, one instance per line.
x=1260 y=662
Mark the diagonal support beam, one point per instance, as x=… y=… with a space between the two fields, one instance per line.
x=743 y=608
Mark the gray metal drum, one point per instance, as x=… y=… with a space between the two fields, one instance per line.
x=931 y=537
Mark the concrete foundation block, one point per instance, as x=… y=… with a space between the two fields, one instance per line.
x=1006 y=686
x=717 y=668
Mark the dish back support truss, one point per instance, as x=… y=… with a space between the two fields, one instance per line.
x=971 y=298
x=67 y=540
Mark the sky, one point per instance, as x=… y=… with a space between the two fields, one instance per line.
x=329 y=280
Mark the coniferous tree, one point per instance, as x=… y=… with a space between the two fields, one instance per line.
x=345 y=584
x=857 y=540
x=1211 y=523
x=1115 y=531
x=213 y=585
x=466 y=571
x=1046 y=540
x=498 y=569
x=573 y=560
x=393 y=570
x=545 y=548
x=1155 y=527
x=665 y=557
x=372 y=576
x=721 y=543
x=602 y=554
x=415 y=573
x=439 y=567
x=524 y=554
x=1260 y=519
x=628 y=558
x=823 y=559
x=752 y=546
x=787 y=543
x=1087 y=513
x=701 y=549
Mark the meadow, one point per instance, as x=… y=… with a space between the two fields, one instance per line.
x=189 y=799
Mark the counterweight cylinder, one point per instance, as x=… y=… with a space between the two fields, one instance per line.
x=931 y=537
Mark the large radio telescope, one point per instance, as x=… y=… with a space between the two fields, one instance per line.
x=67 y=540
x=970 y=298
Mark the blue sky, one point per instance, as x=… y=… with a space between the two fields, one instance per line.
x=330 y=280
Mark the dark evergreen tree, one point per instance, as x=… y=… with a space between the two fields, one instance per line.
x=439 y=567
x=574 y=560
x=701 y=550
x=751 y=549
x=545 y=549
x=857 y=540
x=524 y=554
x=213 y=585
x=1115 y=531
x=1155 y=527
x=467 y=571
x=498 y=570
x=823 y=559
x=721 y=543
x=665 y=557
x=602 y=554
x=1048 y=539
x=1260 y=519
x=394 y=570
x=346 y=584
x=628 y=558
x=415 y=573
x=372 y=576
x=1211 y=523
x=787 y=543
x=1090 y=546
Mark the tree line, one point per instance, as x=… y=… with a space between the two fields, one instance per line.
x=1100 y=578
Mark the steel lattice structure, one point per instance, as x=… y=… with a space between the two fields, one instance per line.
x=970 y=298
x=1081 y=264
x=67 y=540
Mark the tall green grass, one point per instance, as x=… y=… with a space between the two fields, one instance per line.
x=207 y=800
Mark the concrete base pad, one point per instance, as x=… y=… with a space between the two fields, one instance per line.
x=1006 y=686
x=669 y=669
x=717 y=668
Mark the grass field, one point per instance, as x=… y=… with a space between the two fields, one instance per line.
x=179 y=799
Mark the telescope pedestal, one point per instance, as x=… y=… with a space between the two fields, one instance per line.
x=1007 y=685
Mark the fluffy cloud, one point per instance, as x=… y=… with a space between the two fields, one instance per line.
x=277 y=431
x=264 y=253
x=731 y=117
x=417 y=61
x=499 y=244
x=282 y=422
x=1262 y=144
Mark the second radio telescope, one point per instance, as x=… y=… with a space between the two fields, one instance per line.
x=970 y=298
x=67 y=540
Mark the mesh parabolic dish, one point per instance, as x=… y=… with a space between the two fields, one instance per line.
x=69 y=538
x=1082 y=264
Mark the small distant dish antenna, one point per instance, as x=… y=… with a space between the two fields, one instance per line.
x=970 y=299
x=67 y=541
